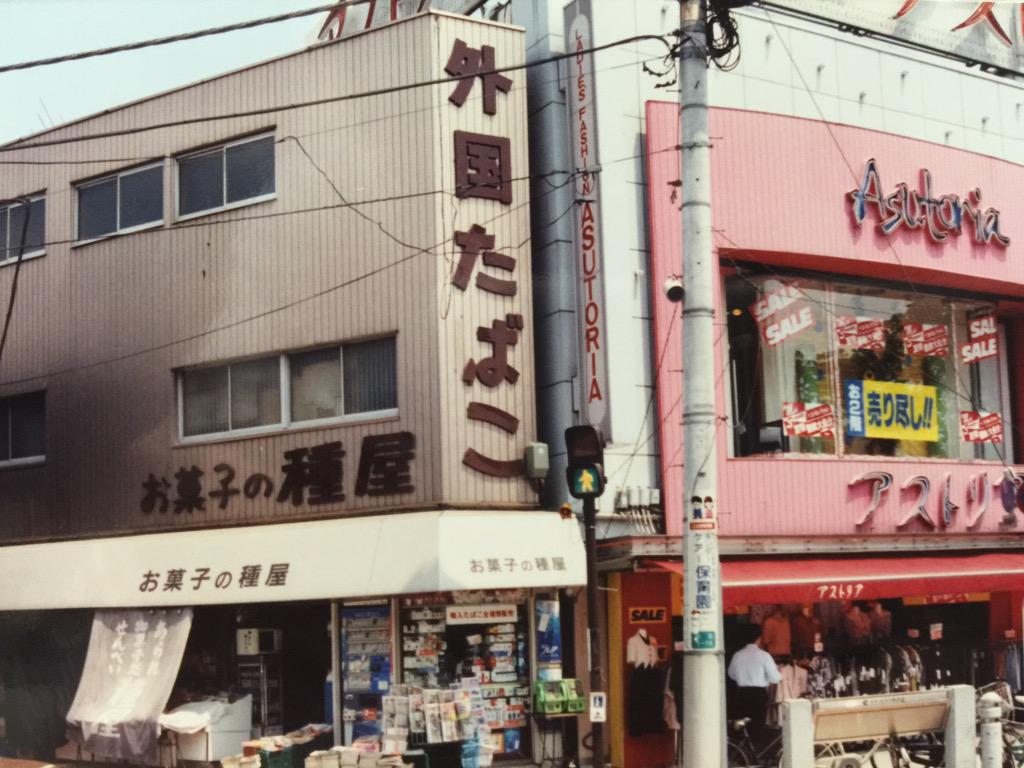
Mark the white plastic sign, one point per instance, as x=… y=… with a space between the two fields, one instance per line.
x=598 y=707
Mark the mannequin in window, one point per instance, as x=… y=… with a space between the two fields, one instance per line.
x=646 y=685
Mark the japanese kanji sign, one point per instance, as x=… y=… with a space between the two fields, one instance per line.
x=483 y=170
x=892 y=410
x=481 y=614
x=130 y=668
x=311 y=476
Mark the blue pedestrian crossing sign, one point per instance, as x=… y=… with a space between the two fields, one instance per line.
x=585 y=482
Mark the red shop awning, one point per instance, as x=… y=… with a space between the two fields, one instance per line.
x=798 y=580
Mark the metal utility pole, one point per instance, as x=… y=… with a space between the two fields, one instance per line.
x=703 y=660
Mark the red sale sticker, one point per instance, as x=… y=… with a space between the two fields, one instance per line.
x=981 y=427
x=808 y=420
x=926 y=339
x=860 y=333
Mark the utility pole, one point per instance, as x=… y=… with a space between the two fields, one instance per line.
x=703 y=659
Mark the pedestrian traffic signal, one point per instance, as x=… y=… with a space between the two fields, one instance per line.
x=585 y=481
x=585 y=474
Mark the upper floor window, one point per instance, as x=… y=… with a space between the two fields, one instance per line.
x=23 y=428
x=864 y=369
x=22 y=229
x=330 y=383
x=123 y=202
x=231 y=174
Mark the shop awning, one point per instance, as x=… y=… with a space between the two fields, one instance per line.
x=798 y=580
x=379 y=555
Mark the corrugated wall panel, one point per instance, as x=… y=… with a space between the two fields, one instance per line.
x=103 y=326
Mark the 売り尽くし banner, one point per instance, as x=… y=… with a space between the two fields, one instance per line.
x=891 y=409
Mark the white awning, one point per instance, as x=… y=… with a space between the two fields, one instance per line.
x=382 y=555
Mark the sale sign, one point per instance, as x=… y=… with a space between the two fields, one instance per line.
x=782 y=314
x=808 y=420
x=860 y=333
x=891 y=409
x=981 y=427
x=984 y=340
x=926 y=339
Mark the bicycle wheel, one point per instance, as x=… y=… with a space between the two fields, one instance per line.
x=736 y=755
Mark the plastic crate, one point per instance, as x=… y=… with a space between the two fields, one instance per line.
x=280 y=758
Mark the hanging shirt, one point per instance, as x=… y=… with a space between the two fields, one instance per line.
x=775 y=634
x=642 y=651
x=793 y=684
x=751 y=667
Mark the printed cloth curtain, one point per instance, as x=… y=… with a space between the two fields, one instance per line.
x=130 y=668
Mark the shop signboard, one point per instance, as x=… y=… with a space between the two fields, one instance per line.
x=496 y=613
x=587 y=235
x=940 y=215
x=891 y=409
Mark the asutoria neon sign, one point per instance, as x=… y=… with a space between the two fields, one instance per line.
x=914 y=209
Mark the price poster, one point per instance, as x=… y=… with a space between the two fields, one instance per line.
x=926 y=339
x=981 y=427
x=860 y=333
x=808 y=420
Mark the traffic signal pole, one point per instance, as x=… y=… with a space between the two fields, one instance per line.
x=703 y=652
x=594 y=623
x=584 y=448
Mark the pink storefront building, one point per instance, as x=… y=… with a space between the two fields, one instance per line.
x=870 y=332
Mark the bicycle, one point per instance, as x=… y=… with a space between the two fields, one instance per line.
x=741 y=752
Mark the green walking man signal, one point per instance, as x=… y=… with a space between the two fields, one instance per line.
x=585 y=473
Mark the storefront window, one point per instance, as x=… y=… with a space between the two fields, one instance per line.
x=904 y=373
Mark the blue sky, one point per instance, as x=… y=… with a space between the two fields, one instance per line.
x=31 y=29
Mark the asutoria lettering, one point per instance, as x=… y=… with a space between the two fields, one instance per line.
x=915 y=209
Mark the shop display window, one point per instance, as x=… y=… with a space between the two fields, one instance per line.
x=448 y=647
x=365 y=668
x=845 y=368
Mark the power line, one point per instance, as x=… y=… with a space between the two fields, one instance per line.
x=176 y=38
x=325 y=291
x=17 y=147
x=322 y=131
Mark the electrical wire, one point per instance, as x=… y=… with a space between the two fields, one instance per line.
x=830 y=312
x=853 y=175
x=329 y=289
x=22 y=145
x=342 y=127
x=176 y=38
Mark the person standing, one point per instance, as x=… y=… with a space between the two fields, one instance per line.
x=753 y=670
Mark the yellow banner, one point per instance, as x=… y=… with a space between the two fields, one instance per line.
x=892 y=410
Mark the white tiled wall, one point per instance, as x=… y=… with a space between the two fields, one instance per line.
x=791 y=67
